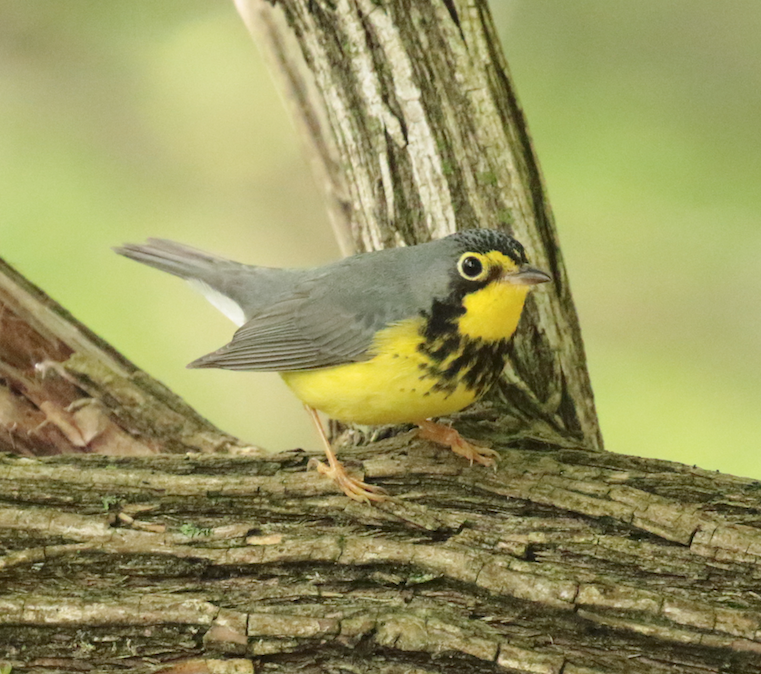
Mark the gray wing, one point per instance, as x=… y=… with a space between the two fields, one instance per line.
x=277 y=341
x=331 y=316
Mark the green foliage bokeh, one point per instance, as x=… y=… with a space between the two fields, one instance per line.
x=122 y=120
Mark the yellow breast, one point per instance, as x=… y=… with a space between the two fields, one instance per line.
x=412 y=377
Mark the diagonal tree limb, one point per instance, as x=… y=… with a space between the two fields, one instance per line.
x=63 y=389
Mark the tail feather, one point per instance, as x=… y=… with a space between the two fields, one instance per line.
x=175 y=258
x=239 y=291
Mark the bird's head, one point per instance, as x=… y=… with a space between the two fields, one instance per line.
x=490 y=279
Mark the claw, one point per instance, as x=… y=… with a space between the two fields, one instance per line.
x=351 y=486
x=449 y=437
x=355 y=489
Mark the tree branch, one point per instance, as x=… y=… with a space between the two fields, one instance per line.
x=63 y=389
x=650 y=563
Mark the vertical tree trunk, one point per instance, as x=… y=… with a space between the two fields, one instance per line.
x=416 y=130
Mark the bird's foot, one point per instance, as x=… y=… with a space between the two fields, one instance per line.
x=449 y=437
x=351 y=486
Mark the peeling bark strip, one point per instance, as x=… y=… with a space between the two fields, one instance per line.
x=176 y=565
x=414 y=121
x=63 y=389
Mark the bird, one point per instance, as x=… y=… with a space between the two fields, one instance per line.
x=396 y=336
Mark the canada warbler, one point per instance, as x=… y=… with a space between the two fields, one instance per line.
x=388 y=337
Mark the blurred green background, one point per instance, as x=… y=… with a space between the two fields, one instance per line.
x=122 y=120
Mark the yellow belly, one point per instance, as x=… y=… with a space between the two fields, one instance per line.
x=390 y=388
x=378 y=391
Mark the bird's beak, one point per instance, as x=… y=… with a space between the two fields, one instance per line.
x=526 y=275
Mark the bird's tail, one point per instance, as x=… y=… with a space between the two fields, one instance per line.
x=230 y=286
x=175 y=258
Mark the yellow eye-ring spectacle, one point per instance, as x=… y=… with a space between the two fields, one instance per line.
x=472 y=266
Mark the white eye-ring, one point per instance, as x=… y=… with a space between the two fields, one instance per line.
x=471 y=267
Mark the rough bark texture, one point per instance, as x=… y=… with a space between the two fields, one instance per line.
x=220 y=558
x=564 y=561
x=416 y=132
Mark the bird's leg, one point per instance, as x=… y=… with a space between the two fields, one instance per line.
x=351 y=486
x=448 y=436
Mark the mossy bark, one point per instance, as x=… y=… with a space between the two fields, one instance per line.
x=119 y=554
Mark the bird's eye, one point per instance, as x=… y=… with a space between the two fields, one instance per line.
x=470 y=267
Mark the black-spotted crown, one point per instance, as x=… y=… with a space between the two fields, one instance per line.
x=484 y=240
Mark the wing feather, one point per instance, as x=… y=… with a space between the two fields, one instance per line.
x=331 y=315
